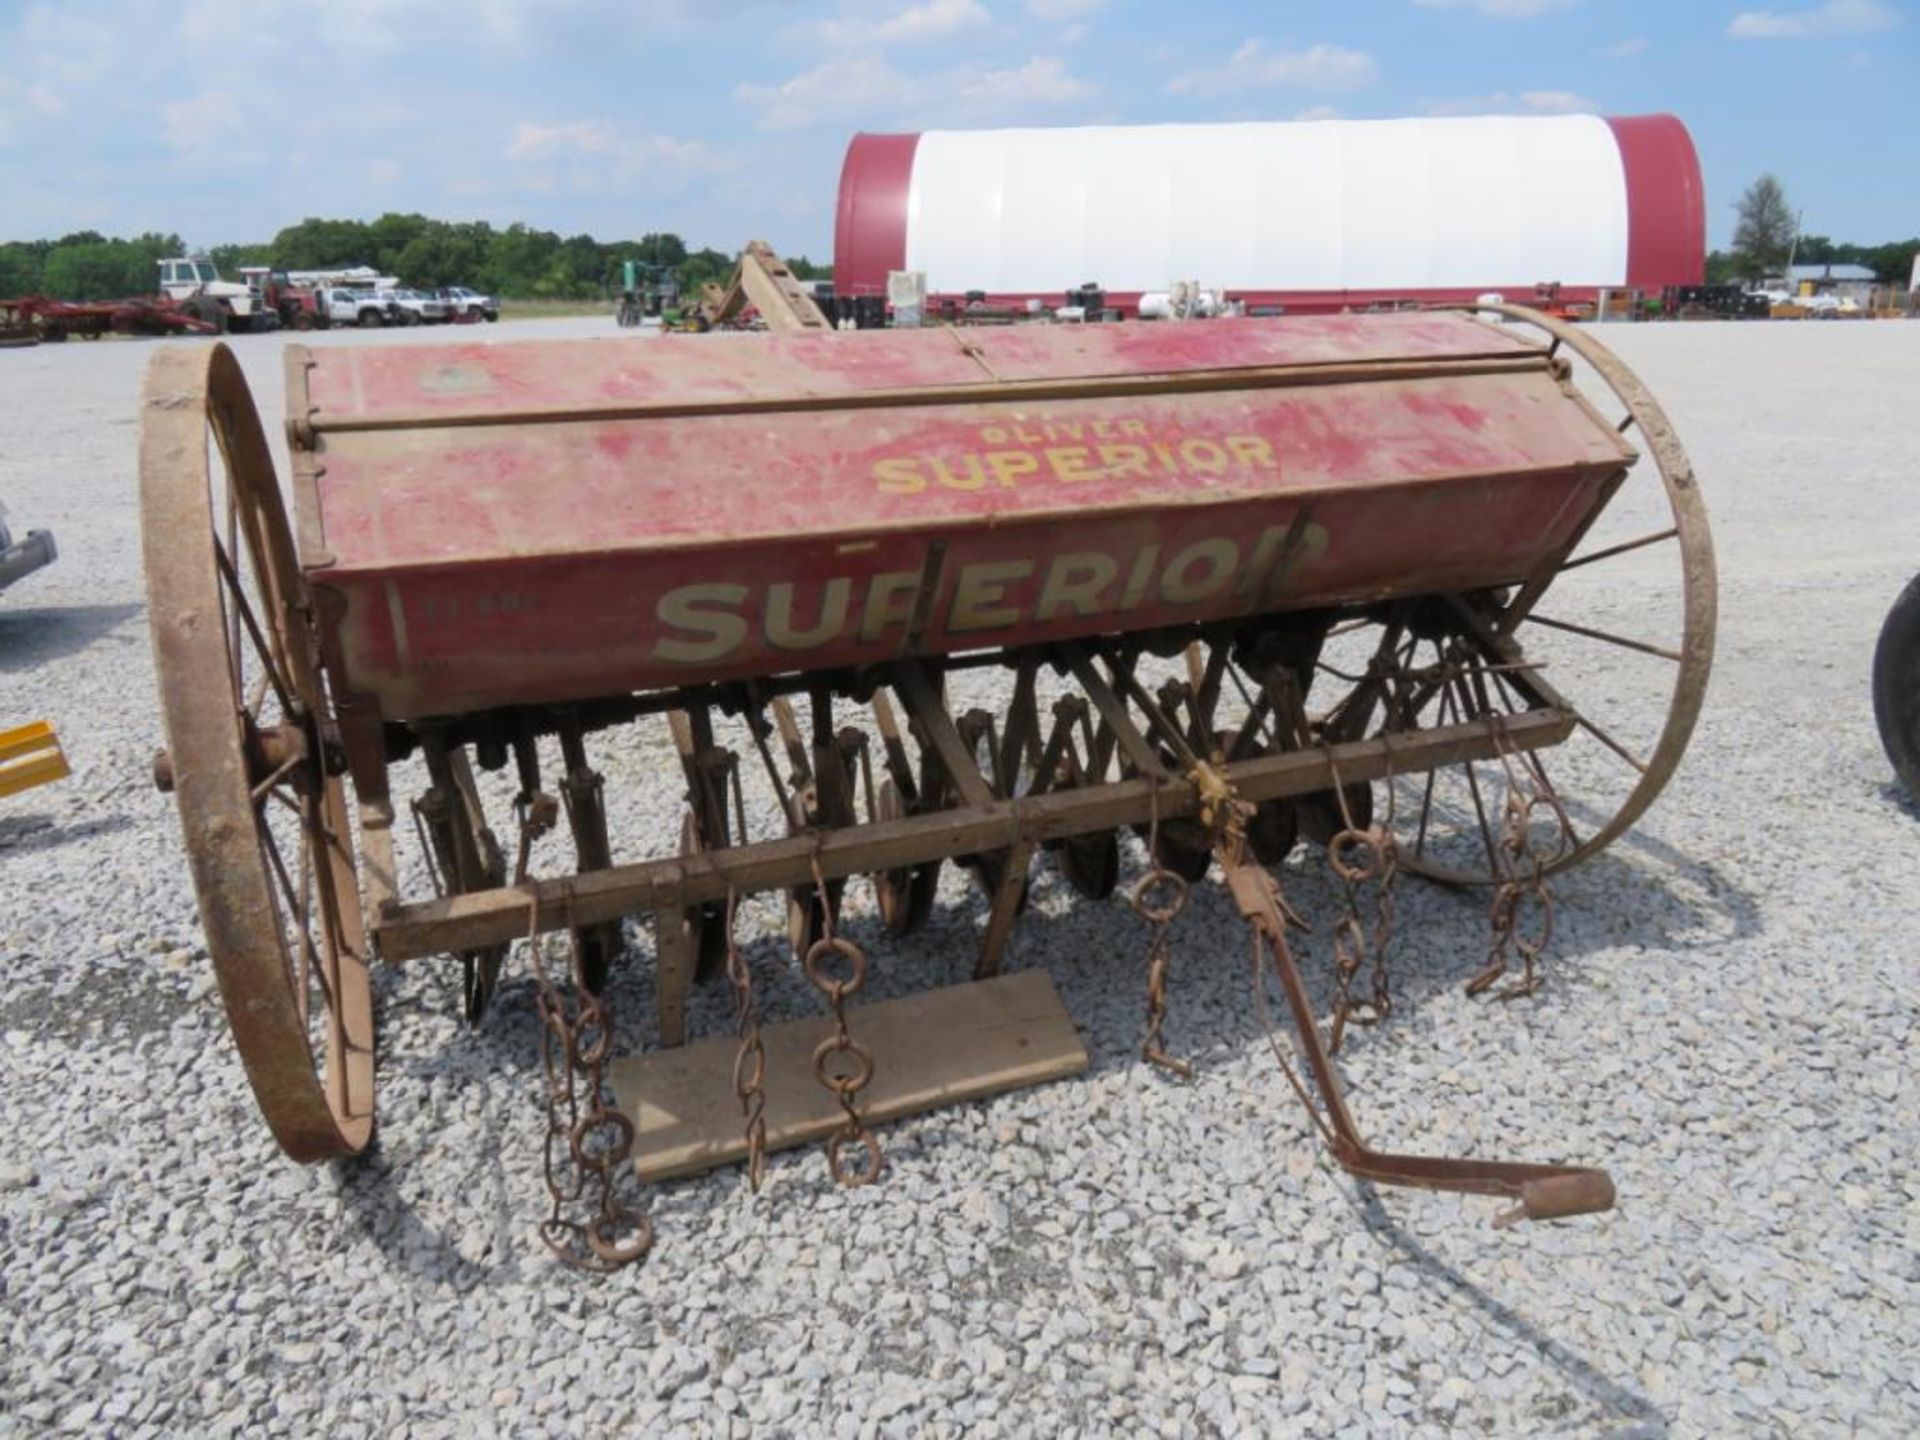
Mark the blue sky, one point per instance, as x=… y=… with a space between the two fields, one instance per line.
x=724 y=119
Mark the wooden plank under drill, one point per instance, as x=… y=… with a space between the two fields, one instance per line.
x=938 y=1048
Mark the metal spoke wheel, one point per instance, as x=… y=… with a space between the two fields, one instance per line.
x=251 y=755
x=1619 y=628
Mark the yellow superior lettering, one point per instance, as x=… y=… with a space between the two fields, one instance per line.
x=716 y=632
x=1051 y=462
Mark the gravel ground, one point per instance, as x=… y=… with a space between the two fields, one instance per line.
x=1726 y=1026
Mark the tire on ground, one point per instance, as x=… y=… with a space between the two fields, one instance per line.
x=1896 y=686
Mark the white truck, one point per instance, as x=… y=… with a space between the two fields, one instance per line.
x=465 y=304
x=353 y=307
x=192 y=282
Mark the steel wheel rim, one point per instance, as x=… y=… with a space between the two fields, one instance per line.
x=1698 y=599
x=317 y=1098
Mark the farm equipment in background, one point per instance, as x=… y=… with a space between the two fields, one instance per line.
x=647 y=292
x=194 y=284
x=36 y=318
x=889 y=601
x=30 y=755
x=297 y=306
x=1547 y=300
x=761 y=287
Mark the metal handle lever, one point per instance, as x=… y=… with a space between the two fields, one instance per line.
x=1554 y=1197
x=1545 y=1192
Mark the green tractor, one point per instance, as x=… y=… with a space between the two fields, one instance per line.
x=647 y=292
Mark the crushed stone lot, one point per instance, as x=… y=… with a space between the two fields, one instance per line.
x=1726 y=1025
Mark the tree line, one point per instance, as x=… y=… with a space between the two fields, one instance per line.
x=520 y=262
x=517 y=262
x=1766 y=235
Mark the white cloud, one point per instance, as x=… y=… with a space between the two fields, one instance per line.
x=1254 y=67
x=844 y=85
x=202 y=125
x=1625 y=50
x=1042 y=80
x=934 y=19
x=1504 y=9
x=929 y=20
x=28 y=101
x=1064 y=9
x=870 y=86
x=537 y=142
x=1835 y=17
x=353 y=107
x=1317 y=112
x=1527 y=102
x=602 y=148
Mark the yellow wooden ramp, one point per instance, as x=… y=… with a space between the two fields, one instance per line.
x=932 y=1049
x=30 y=755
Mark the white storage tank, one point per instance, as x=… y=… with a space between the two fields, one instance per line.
x=1310 y=215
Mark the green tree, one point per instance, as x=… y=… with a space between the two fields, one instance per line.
x=1723 y=268
x=316 y=244
x=442 y=255
x=230 y=258
x=389 y=236
x=1819 y=250
x=20 y=263
x=1764 y=228
x=700 y=267
x=520 y=261
x=661 y=249
x=86 y=267
x=1893 y=263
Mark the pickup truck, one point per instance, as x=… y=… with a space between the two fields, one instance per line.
x=22 y=557
x=354 y=307
x=415 y=307
x=465 y=304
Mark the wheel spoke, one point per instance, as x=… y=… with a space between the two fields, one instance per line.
x=1465 y=710
x=338 y=1077
x=1535 y=760
x=287 y=800
x=1670 y=533
x=303 y=984
x=1612 y=744
x=1426 y=810
x=246 y=615
x=299 y=978
x=234 y=652
x=280 y=772
x=1607 y=637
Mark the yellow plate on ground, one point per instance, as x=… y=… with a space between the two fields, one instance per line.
x=30 y=755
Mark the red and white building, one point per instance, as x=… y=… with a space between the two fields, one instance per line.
x=1312 y=215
